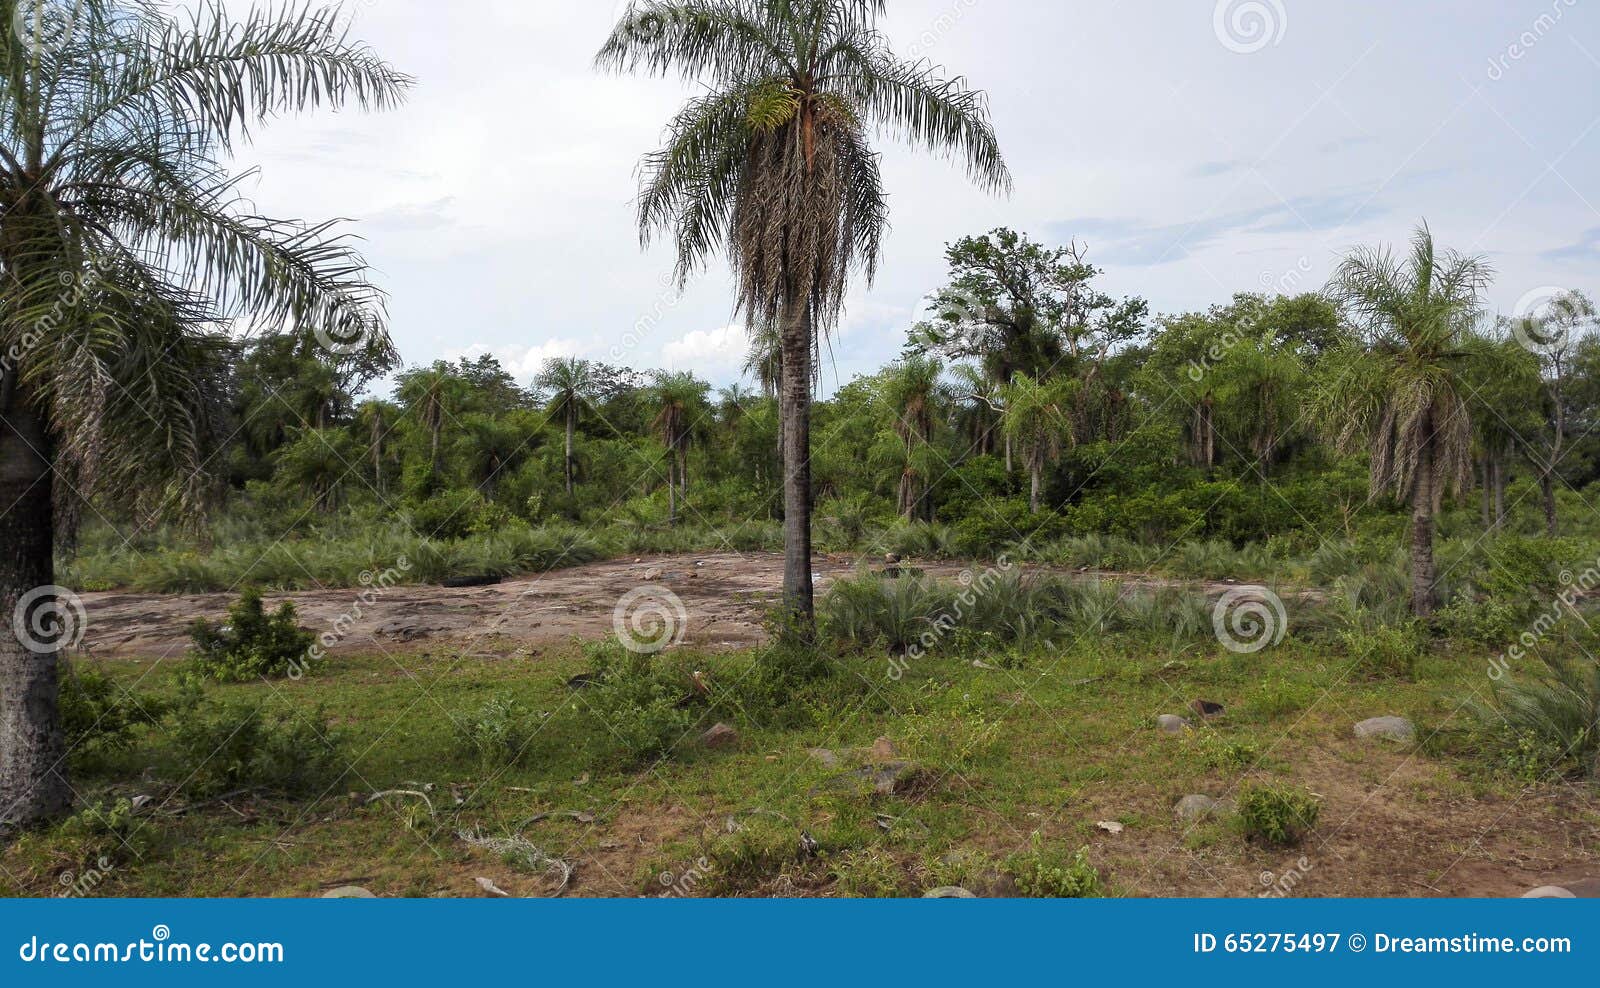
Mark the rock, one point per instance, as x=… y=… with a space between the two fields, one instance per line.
x=893 y=779
x=1206 y=710
x=1173 y=724
x=949 y=892
x=891 y=558
x=720 y=736
x=1110 y=826
x=1191 y=809
x=651 y=575
x=1550 y=892
x=349 y=892
x=883 y=752
x=1580 y=888
x=829 y=759
x=1387 y=729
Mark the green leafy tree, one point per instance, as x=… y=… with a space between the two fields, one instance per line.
x=773 y=164
x=571 y=384
x=124 y=245
x=681 y=409
x=1038 y=419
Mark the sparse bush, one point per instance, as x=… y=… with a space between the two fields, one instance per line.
x=1549 y=722
x=496 y=735
x=1054 y=873
x=222 y=746
x=1279 y=816
x=638 y=701
x=867 y=874
x=757 y=851
x=253 y=644
x=1387 y=652
x=105 y=833
x=99 y=716
x=1220 y=753
x=896 y=613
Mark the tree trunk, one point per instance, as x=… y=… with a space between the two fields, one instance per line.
x=795 y=409
x=1036 y=480
x=571 y=428
x=1547 y=486
x=1499 y=491
x=1423 y=576
x=33 y=768
x=1486 y=489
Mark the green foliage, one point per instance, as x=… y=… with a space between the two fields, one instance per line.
x=1277 y=815
x=497 y=734
x=759 y=849
x=101 y=717
x=1052 y=872
x=228 y=745
x=253 y=644
x=868 y=873
x=1219 y=752
x=1547 y=722
x=1384 y=652
x=107 y=833
x=637 y=702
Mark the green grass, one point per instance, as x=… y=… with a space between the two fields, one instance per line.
x=1049 y=748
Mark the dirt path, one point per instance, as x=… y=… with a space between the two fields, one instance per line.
x=725 y=597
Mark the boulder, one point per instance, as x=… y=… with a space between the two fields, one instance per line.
x=1173 y=724
x=1191 y=809
x=720 y=736
x=1387 y=729
x=949 y=892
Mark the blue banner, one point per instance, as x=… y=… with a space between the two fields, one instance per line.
x=791 y=942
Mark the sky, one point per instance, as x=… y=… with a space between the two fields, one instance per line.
x=1198 y=148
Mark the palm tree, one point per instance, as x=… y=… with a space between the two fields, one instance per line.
x=764 y=362
x=489 y=447
x=376 y=420
x=572 y=384
x=773 y=165
x=1038 y=417
x=124 y=245
x=680 y=402
x=1401 y=392
x=430 y=393
x=915 y=397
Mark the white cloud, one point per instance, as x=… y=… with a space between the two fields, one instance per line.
x=717 y=354
x=523 y=362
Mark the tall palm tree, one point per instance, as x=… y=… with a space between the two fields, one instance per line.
x=572 y=384
x=1401 y=391
x=1038 y=417
x=124 y=244
x=375 y=420
x=680 y=402
x=773 y=165
x=915 y=397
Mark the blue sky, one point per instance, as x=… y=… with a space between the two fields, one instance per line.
x=1199 y=148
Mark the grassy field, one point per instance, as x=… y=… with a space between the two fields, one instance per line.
x=1035 y=770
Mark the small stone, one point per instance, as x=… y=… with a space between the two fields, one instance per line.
x=1550 y=892
x=829 y=759
x=651 y=575
x=949 y=892
x=1194 y=808
x=883 y=752
x=1207 y=710
x=1387 y=729
x=1173 y=724
x=721 y=736
x=1110 y=826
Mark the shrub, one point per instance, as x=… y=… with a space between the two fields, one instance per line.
x=758 y=850
x=1390 y=652
x=106 y=833
x=496 y=735
x=253 y=644
x=1054 y=873
x=868 y=874
x=1551 y=719
x=222 y=746
x=638 y=701
x=99 y=716
x=896 y=613
x=1215 y=751
x=1279 y=816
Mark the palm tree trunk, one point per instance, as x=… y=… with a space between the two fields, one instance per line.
x=1423 y=574
x=33 y=770
x=571 y=429
x=1036 y=478
x=795 y=409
